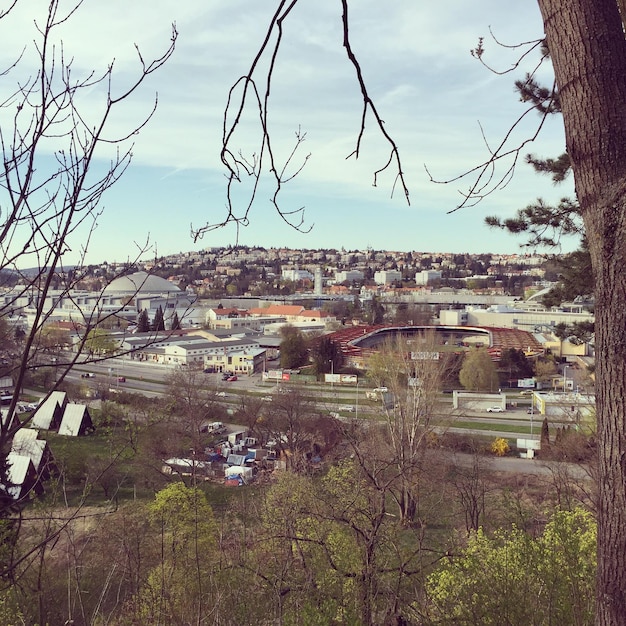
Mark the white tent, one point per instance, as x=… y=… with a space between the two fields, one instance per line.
x=25 y=443
x=7 y=423
x=49 y=413
x=76 y=421
x=21 y=475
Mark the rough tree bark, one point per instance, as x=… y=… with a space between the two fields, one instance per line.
x=588 y=49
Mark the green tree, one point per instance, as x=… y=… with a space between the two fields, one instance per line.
x=158 y=323
x=511 y=578
x=100 y=342
x=175 y=324
x=478 y=372
x=325 y=355
x=545 y=368
x=52 y=338
x=514 y=364
x=293 y=347
x=575 y=277
x=143 y=322
x=545 y=434
x=179 y=589
x=334 y=550
x=413 y=314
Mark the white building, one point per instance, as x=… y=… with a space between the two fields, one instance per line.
x=427 y=276
x=295 y=275
x=386 y=277
x=348 y=276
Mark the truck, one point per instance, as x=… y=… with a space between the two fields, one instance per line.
x=214 y=428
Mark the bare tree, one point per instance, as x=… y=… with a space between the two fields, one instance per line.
x=587 y=48
x=251 y=94
x=194 y=404
x=413 y=371
x=49 y=205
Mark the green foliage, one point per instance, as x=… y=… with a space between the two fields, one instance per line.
x=511 y=578
x=143 y=322
x=325 y=355
x=577 y=333
x=542 y=224
x=179 y=586
x=575 y=277
x=158 y=323
x=293 y=348
x=185 y=516
x=478 y=372
x=10 y=613
x=100 y=342
x=514 y=364
x=52 y=338
x=175 y=323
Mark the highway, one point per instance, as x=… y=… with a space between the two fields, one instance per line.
x=347 y=402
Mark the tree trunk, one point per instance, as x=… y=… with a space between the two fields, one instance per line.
x=588 y=49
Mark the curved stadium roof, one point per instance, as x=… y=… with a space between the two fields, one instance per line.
x=140 y=282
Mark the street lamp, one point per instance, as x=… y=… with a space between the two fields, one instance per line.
x=356 y=413
x=564 y=378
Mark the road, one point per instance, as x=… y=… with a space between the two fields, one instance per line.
x=535 y=467
x=151 y=380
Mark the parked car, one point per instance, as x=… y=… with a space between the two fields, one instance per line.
x=495 y=409
x=231 y=379
x=121 y=379
x=220 y=394
x=88 y=375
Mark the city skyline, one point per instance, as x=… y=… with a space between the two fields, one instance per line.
x=439 y=104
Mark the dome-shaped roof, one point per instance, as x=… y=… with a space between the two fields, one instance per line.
x=140 y=282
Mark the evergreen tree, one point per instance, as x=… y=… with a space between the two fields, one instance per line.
x=514 y=364
x=175 y=325
x=326 y=356
x=158 y=323
x=545 y=434
x=143 y=322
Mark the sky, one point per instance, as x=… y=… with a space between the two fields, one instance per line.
x=444 y=110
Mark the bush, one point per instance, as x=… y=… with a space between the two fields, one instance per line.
x=500 y=446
